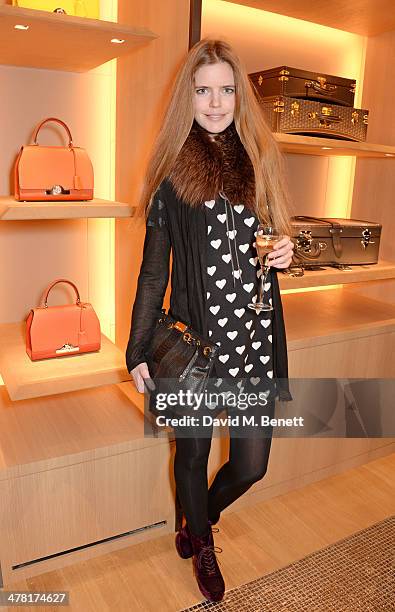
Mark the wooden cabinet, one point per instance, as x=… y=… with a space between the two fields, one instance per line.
x=74 y=469
x=74 y=455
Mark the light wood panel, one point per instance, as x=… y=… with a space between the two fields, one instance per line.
x=52 y=432
x=333 y=314
x=295 y=462
x=78 y=513
x=366 y=17
x=374 y=185
x=25 y=378
x=361 y=354
x=82 y=504
x=332 y=276
x=11 y=210
x=314 y=145
x=63 y=42
x=322 y=459
x=58 y=455
x=143 y=88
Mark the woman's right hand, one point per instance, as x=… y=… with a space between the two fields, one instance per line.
x=139 y=373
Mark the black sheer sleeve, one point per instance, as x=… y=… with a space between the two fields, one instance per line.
x=152 y=282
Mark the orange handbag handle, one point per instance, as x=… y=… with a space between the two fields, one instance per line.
x=55 y=282
x=62 y=123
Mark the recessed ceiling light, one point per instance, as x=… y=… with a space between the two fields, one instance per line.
x=326 y=148
x=117 y=41
x=389 y=154
x=19 y=26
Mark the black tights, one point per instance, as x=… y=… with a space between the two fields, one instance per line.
x=248 y=459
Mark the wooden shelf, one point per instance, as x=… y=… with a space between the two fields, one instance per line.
x=24 y=378
x=359 y=16
x=64 y=429
x=63 y=42
x=333 y=315
x=314 y=145
x=12 y=210
x=331 y=276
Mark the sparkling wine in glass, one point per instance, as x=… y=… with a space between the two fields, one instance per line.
x=266 y=238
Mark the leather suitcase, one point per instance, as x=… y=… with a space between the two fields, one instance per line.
x=297 y=83
x=296 y=116
x=334 y=241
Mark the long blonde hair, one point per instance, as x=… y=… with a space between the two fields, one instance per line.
x=255 y=135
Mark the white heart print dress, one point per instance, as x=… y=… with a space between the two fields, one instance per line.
x=233 y=276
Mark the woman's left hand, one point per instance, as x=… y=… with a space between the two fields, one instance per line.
x=281 y=256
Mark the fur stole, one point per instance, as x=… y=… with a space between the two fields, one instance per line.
x=209 y=163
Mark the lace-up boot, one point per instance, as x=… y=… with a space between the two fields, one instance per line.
x=205 y=565
x=184 y=544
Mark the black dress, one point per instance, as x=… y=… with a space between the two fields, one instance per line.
x=233 y=276
x=182 y=229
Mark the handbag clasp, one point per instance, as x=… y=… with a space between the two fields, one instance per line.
x=67 y=348
x=366 y=234
x=57 y=190
x=186 y=336
x=180 y=326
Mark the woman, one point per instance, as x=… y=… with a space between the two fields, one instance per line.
x=214 y=174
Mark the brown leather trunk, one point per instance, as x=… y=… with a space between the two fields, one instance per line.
x=334 y=241
x=296 y=116
x=296 y=83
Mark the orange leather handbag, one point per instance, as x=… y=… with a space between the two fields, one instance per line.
x=58 y=331
x=53 y=173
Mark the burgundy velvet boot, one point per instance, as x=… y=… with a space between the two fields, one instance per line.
x=184 y=544
x=205 y=566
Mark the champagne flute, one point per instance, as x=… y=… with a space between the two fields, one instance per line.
x=266 y=238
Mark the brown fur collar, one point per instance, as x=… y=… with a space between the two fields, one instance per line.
x=207 y=162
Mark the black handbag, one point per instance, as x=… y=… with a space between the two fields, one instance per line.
x=178 y=359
